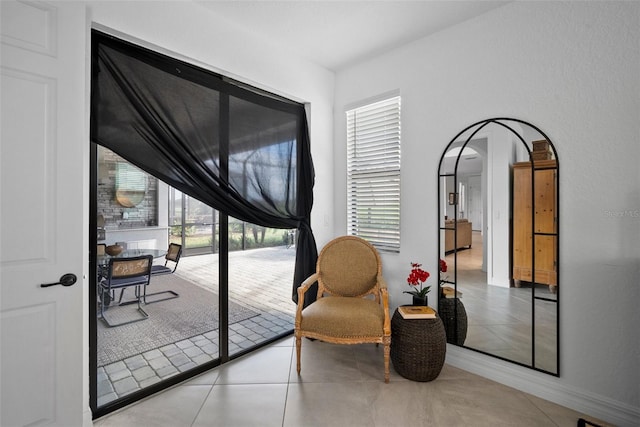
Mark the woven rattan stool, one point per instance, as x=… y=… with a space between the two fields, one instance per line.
x=456 y=330
x=418 y=347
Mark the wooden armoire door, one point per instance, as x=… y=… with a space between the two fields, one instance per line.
x=542 y=210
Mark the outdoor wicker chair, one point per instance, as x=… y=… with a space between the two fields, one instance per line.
x=123 y=273
x=101 y=249
x=173 y=256
x=352 y=305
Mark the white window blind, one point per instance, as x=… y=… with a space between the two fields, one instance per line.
x=373 y=173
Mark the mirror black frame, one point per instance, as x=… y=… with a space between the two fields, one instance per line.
x=454 y=328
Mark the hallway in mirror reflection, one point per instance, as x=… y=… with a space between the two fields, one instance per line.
x=500 y=319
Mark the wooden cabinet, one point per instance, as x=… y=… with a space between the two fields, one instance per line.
x=535 y=225
x=464 y=234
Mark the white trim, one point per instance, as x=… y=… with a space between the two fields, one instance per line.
x=372 y=100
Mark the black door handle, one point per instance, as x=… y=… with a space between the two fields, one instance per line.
x=66 y=280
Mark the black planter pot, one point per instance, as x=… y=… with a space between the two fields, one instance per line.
x=420 y=300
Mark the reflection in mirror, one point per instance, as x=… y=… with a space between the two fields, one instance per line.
x=498 y=198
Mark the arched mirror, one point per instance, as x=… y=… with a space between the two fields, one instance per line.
x=499 y=235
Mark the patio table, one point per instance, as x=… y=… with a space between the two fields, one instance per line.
x=103 y=260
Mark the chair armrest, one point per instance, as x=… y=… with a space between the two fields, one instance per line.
x=304 y=287
x=386 y=327
x=381 y=282
x=383 y=298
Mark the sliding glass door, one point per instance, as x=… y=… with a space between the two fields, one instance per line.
x=206 y=142
x=260 y=266
x=149 y=337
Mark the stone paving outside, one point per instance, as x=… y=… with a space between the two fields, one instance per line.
x=259 y=279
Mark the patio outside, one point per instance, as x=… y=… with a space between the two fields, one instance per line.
x=260 y=281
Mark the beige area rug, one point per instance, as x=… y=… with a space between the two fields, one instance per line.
x=194 y=312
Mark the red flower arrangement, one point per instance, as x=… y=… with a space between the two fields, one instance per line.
x=443 y=269
x=416 y=278
x=443 y=266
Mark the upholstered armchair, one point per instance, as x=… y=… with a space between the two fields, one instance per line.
x=352 y=306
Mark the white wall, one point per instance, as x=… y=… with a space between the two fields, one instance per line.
x=571 y=68
x=188 y=31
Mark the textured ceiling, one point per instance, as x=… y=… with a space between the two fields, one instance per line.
x=335 y=34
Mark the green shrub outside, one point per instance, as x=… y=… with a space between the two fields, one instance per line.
x=273 y=237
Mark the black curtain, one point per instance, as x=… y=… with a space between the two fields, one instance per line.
x=242 y=151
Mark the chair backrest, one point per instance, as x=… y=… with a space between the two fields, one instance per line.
x=174 y=252
x=348 y=266
x=102 y=249
x=123 y=268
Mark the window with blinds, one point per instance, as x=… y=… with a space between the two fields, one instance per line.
x=373 y=173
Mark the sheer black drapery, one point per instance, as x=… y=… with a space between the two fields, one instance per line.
x=243 y=152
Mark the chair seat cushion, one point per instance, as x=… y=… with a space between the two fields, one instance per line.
x=343 y=317
x=160 y=269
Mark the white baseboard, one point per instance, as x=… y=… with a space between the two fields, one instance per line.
x=87 y=418
x=544 y=386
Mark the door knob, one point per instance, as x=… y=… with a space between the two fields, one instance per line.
x=66 y=280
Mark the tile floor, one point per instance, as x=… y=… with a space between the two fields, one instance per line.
x=339 y=385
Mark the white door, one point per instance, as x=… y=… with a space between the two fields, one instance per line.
x=474 y=205
x=43 y=136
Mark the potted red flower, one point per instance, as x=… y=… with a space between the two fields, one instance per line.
x=417 y=276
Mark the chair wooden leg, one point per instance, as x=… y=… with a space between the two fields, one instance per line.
x=298 y=349
x=387 y=352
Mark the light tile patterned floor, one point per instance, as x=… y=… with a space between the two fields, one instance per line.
x=340 y=385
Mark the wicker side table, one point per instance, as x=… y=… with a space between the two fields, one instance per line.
x=418 y=347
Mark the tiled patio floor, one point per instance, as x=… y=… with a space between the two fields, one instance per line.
x=260 y=279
